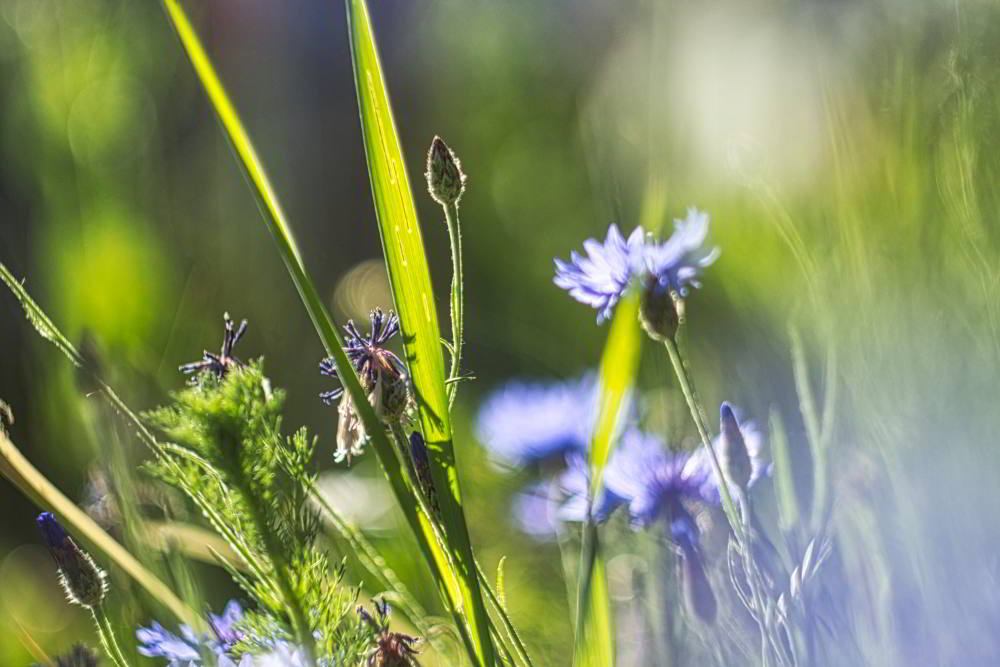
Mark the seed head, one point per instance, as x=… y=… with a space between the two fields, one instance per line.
x=392 y=649
x=84 y=582
x=445 y=179
x=219 y=364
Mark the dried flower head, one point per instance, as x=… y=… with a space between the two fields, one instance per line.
x=219 y=364
x=382 y=375
x=392 y=649
x=85 y=583
x=445 y=178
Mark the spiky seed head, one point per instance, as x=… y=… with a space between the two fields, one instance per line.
x=735 y=459
x=660 y=311
x=445 y=179
x=85 y=583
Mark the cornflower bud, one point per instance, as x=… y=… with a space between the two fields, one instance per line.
x=734 y=457
x=445 y=179
x=85 y=583
x=660 y=310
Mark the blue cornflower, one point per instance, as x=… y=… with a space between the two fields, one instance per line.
x=528 y=422
x=541 y=510
x=602 y=277
x=655 y=482
x=676 y=263
x=187 y=649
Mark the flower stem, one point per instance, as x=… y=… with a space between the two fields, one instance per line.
x=687 y=387
x=457 y=282
x=107 y=635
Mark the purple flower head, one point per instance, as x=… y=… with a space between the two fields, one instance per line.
x=600 y=278
x=188 y=649
x=753 y=441
x=219 y=364
x=368 y=354
x=524 y=423
x=676 y=263
x=651 y=480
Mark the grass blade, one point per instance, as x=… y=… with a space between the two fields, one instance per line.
x=280 y=230
x=409 y=276
x=784 y=475
x=619 y=364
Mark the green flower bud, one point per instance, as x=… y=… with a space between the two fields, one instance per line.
x=84 y=582
x=445 y=179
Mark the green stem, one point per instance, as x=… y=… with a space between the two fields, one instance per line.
x=687 y=387
x=300 y=623
x=457 y=283
x=107 y=635
x=512 y=638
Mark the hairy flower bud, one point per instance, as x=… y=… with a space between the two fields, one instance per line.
x=659 y=311
x=84 y=582
x=445 y=179
x=422 y=466
x=734 y=457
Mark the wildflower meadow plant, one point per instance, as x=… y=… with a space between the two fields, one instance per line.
x=589 y=462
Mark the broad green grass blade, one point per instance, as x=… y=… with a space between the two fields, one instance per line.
x=274 y=219
x=409 y=276
x=619 y=364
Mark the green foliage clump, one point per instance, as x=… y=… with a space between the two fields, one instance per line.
x=251 y=482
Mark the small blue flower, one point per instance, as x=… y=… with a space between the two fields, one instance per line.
x=676 y=263
x=541 y=510
x=600 y=278
x=524 y=423
x=187 y=649
x=653 y=481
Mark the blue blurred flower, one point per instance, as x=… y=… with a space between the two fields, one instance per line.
x=677 y=262
x=187 y=649
x=600 y=278
x=655 y=482
x=541 y=510
x=527 y=422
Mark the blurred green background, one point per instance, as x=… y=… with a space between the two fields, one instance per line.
x=848 y=152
